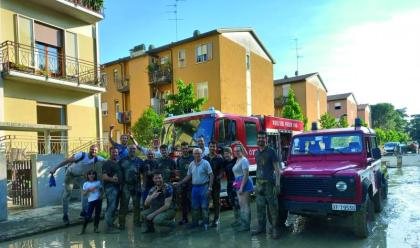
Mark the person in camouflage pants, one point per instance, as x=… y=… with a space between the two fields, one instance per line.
x=268 y=186
x=184 y=192
x=131 y=186
x=161 y=208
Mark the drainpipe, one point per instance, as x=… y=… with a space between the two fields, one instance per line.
x=122 y=93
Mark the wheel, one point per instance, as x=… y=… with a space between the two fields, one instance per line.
x=378 y=200
x=385 y=189
x=364 y=218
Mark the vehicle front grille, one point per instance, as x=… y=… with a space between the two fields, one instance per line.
x=307 y=186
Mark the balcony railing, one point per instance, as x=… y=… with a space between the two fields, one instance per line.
x=160 y=76
x=124 y=117
x=123 y=85
x=94 y=5
x=32 y=60
x=280 y=101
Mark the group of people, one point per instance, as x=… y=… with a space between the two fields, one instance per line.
x=159 y=185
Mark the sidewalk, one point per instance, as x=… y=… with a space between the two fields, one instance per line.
x=32 y=221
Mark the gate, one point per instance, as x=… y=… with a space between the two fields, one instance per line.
x=21 y=183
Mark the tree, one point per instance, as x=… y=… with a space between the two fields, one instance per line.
x=384 y=116
x=342 y=122
x=327 y=121
x=146 y=126
x=292 y=109
x=184 y=101
x=414 y=127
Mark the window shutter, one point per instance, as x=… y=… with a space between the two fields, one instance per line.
x=209 y=51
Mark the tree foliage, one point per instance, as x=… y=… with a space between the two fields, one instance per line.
x=342 y=122
x=327 y=121
x=292 y=109
x=146 y=126
x=391 y=136
x=184 y=101
x=386 y=117
x=414 y=128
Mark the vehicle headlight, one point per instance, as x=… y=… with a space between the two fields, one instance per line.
x=341 y=186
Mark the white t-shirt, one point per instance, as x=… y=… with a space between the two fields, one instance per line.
x=86 y=160
x=93 y=195
x=240 y=165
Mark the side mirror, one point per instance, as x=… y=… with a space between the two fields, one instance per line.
x=376 y=153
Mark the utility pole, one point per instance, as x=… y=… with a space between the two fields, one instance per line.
x=297 y=56
x=176 y=19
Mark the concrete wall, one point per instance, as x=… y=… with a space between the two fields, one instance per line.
x=44 y=195
x=3 y=188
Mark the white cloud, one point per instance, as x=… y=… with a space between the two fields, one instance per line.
x=378 y=61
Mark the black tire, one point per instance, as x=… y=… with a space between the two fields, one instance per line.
x=363 y=219
x=385 y=189
x=378 y=200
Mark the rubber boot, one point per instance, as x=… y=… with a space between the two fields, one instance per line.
x=237 y=221
x=259 y=230
x=83 y=229
x=245 y=222
x=205 y=215
x=195 y=215
x=95 y=229
x=276 y=233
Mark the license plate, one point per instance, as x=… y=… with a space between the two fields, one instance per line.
x=344 y=207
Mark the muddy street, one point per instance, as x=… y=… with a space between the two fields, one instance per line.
x=397 y=226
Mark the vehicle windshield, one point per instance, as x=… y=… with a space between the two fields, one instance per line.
x=174 y=133
x=391 y=144
x=327 y=144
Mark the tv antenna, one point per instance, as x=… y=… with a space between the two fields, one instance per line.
x=297 y=48
x=175 y=12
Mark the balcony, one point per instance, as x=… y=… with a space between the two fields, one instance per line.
x=280 y=101
x=160 y=74
x=89 y=11
x=124 y=117
x=123 y=85
x=30 y=64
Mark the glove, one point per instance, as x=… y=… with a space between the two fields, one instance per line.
x=52 y=181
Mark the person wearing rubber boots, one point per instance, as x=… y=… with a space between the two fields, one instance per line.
x=216 y=163
x=112 y=178
x=77 y=166
x=161 y=208
x=201 y=176
x=131 y=186
x=184 y=192
x=229 y=162
x=268 y=186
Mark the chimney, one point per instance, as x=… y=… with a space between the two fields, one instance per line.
x=196 y=33
x=296 y=73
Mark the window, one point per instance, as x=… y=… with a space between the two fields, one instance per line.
x=227 y=131
x=164 y=60
x=182 y=58
x=49 y=43
x=251 y=133
x=203 y=52
x=117 y=108
x=104 y=80
x=286 y=88
x=104 y=108
x=337 y=106
x=327 y=144
x=203 y=90
x=248 y=62
x=116 y=77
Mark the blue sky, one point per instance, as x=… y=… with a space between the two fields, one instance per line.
x=371 y=47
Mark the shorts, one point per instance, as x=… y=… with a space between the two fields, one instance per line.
x=248 y=187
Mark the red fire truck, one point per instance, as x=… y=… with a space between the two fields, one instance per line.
x=226 y=128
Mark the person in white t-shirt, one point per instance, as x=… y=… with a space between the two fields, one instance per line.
x=77 y=166
x=202 y=145
x=92 y=189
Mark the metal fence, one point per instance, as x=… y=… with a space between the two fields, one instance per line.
x=21 y=184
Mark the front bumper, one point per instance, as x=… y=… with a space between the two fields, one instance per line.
x=314 y=208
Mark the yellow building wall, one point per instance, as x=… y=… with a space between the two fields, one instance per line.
x=262 y=85
x=110 y=96
x=81 y=117
x=195 y=72
x=315 y=96
x=139 y=87
x=232 y=77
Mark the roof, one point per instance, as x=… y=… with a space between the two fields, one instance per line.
x=299 y=78
x=362 y=106
x=339 y=96
x=340 y=130
x=210 y=33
